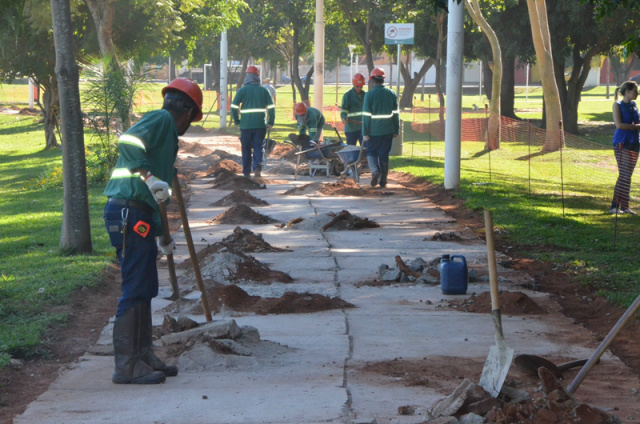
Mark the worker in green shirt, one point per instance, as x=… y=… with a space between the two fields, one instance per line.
x=253 y=109
x=351 y=110
x=140 y=181
x=309 y=119
x=380 y=125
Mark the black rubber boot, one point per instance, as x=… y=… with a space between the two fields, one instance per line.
x=130 y=368
x=384 y=171
x=146 y=343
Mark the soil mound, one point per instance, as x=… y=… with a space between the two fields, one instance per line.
x=304 y=189
x=246 y=241
x=227 y=180
x=233 y=297
x=194 y=148
x=344 y=220
x=511 y=303
x=226 y=164
x=241 y=214
x=283 y=151
x=240 y=197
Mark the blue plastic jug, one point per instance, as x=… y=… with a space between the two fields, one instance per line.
x=453 y=274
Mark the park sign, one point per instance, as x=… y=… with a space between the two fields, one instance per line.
x=398 y=34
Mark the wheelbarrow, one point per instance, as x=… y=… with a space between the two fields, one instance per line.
x=350 y=156
x=320 y=156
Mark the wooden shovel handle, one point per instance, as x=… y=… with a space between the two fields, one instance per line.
x=192 y=250
x=491 y=260
x=595 y=357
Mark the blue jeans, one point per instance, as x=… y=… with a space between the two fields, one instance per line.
x=251 y=141
x=378 y=148
x=353 y=137
x=138 y=260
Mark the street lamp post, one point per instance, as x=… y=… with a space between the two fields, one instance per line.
x=351 y=47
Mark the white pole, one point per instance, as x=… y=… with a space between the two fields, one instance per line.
x=318 y=54
x=223 y=80
x=452 y=132
x=526 y=96
x=480 y=82
x=398 y=72
x=30 y=93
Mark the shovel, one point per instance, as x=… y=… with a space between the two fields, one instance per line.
x=529 y=364
x=500 y=356
x=192 y=249
x=595 y=356
x=166 y=238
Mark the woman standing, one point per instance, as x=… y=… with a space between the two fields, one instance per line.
x=625 y=145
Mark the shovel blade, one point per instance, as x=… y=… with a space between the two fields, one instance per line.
x=496 y=368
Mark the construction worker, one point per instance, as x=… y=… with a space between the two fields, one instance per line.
x=351 y=110
x=253 y=109
x=311 y=119
x=380 y=125
x=271 y=88
x=139 y=182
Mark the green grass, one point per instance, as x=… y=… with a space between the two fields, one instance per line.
x=559 y=220
x=34 y=275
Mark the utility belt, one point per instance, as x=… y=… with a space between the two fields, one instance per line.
x=131 y=203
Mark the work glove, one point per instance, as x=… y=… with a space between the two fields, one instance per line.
x=159 y=189
x=365 y=138
x=166 y=249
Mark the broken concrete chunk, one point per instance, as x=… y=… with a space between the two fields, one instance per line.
x=391 y=275
x=217 y=330
x=382 y=269
x=471 y=418
x=452 y=403
x=417 y=264
x=228 y=346
x=483 y=406
x=515 y=395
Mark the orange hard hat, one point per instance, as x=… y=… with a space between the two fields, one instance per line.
x=358 y=80
x=191 y=89
x=300 y=108
x=377 y=72
x=253 y=70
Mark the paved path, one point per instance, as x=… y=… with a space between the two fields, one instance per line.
x=320 y=367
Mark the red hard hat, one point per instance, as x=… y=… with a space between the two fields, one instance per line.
x=377 y=72
x=253 y=70
x=191 y=89
x=300 y=108
x=358 y=80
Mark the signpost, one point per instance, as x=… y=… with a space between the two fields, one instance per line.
x=398 y=34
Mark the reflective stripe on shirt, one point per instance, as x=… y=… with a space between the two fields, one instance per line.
x=252 y=110
x=134 y=141
x=124 y=173
x=380 y=116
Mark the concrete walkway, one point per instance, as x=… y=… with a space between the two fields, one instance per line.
x=314 y=367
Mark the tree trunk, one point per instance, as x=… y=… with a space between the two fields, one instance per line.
x=508 y=86
x=295 y=76
x=103 y=12
x=493 y=128
x=411 y=84
x=442 y=39
x=542 y=45
x=51 y=112
x=487 y=75
x=75 y=237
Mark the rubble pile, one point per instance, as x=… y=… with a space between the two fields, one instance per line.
x=512 y=303
x=240 y=197
x=551 y=404
x=241 y=214
x=344 y=220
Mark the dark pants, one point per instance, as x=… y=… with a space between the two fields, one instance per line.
x=353 y=137
x=138 y=260
x=251 y=141
x=378 y=148
x=626 y=164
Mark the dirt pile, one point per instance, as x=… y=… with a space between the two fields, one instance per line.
x=241 y=214
x=240 y=197
x=344 y=220
x=511 y=303
x=234 y=298
x=246 y=241
x=283 y=151
x=227 y=180
x=226 y=164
